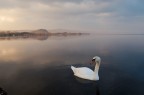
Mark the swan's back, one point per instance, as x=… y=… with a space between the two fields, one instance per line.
x=83 y=72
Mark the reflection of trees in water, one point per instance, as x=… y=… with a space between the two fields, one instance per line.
x=37 y=37
x=40 y=34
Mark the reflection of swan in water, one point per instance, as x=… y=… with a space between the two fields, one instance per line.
x=97 y=90
x=94 y=85
x=86 y=73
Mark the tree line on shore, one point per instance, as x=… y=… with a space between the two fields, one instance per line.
x=35 y=32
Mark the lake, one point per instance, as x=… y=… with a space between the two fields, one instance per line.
x=42 y=66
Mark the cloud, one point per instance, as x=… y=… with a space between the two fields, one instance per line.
x=77 y=14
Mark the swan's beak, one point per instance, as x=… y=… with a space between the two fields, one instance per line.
x=93 y=61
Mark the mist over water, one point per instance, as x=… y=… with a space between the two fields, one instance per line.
x=42 y=67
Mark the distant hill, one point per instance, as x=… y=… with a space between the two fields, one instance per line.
x=40 y=31
x=65 y=30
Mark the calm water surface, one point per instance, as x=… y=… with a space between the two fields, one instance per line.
x=42 y=67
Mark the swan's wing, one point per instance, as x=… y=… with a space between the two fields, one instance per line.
x=84 y=72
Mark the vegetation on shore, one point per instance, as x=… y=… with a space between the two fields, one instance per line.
x=35 y=32
x=40 y=34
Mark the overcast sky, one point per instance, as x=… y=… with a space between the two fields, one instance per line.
x=87 y=15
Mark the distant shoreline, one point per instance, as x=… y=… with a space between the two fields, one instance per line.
x=35 y=32
x=40 y=34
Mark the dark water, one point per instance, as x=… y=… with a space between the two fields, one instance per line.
x=42 y=67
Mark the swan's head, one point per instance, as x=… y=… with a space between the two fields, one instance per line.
x=96 y=59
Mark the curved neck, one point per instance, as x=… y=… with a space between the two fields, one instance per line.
x=97 y=67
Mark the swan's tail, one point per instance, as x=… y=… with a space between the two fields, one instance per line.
x=73 y=68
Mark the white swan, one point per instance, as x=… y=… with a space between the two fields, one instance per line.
x=87 y=73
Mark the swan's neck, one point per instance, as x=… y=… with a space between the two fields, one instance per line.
x=96 y=76
x=97 y=67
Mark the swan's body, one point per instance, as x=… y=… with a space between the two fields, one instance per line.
x=87 y=73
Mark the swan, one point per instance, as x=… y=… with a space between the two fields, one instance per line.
x=87 y=73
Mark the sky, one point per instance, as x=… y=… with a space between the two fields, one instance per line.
x=116 y=16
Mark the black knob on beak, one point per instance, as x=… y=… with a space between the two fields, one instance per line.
x=93 y=60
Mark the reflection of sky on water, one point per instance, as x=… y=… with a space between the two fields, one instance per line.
x=30 y=66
